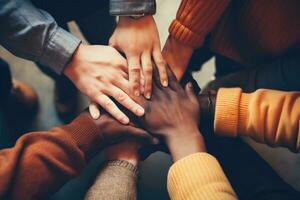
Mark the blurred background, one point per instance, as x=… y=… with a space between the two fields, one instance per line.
x=153 y=171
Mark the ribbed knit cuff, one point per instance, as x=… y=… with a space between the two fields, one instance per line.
x=198 y=176
x=85 y=132
x=227 y=111
x=243 y=113
x=185 y=36
x=195 y=20
x=122 y=163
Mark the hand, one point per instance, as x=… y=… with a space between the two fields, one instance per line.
x=111 y=131
x=126 y=150
x=100 y=72
x=173 y=114
x=139 y=40
x=177 y=56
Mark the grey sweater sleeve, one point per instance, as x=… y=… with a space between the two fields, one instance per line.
x=132 y=7
x=116 y=180
x=31 y=33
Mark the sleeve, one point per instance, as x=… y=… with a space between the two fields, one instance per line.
x=132 y=7
x=267 y=116
x=195 y=19
x=41 y=162
x=33 y=34
x=116 y=180
x=198 y=176
x=281 y=74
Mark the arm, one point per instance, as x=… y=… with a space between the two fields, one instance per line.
x=267 y=116
x=194 y=174
x=33 y=34
x=195 y=19
x=280 y=74
x=41 y=162
x=117 y=178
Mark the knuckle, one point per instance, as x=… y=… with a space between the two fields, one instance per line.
x=161 y=63
x=135 y=68
x=132 y=48
x=148 y=70
x=108 y=105
x=121 y=97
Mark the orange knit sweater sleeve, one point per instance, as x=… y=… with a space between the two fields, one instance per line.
x=199 y=176
x=267 y=116
x=195 y=19
x=41 y=162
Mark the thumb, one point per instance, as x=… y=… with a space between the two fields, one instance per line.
x=190 y=92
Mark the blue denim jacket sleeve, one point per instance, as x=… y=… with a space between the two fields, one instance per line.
x=33 y=34
x=132 y=7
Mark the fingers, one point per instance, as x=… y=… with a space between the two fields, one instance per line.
x=94 y=110
x=134 y=71
x=190 y=92
x=173 y=82
x=126 y=101
x=147 y=71
x=156 y=79
x=105 y=102
x=161 y=66
x=140 y=134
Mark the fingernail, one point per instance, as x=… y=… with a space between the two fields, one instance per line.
x=95 y=115
x=140 y=111
x=165 y=83
x=125 y=120
x=148 y=95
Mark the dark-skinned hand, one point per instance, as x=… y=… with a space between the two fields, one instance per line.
x=112 y=131
x=173 y=115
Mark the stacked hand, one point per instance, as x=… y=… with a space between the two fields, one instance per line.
x=172 y=114
x=102 y=73
x=139 y=40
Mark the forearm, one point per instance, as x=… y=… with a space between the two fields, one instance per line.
x=132 y=7
x=41 y=162
x=267 y=116
x=33 y=34
x=116 y=180
x=281 y=74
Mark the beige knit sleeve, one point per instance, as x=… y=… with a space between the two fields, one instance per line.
x=116 y=180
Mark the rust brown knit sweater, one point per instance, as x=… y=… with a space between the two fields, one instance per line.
x=41 y=162
x=247 y=31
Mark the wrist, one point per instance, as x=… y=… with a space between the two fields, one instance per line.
x=189 y=143
x=68 y=70
x=207 y=102
x=131 y=158
x=126 y=151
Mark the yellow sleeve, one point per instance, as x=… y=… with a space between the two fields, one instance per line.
x=198 y=176
x=267 y=116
